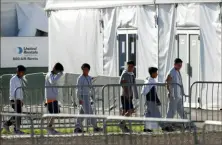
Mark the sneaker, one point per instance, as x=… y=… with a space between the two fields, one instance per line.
x=190 y=127
x=52 y=131
x=78 y=130
x=147 y=130
x=97 y=129
x=6 y=127
x=18 y=132
x=124 y=128
x=168 y=129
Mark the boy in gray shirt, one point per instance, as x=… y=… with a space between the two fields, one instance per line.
x=128 y=90
x=84 y=89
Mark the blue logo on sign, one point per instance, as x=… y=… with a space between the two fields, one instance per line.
x=19 y=50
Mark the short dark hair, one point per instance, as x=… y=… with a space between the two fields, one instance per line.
x=85 y=65
x=130 y=62
x=178 y=60
x=152 y=70
x=59 y=67
x=21 y=68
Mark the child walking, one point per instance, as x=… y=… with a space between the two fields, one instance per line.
x=51 y=94
x=152 y=101
x=84 y=89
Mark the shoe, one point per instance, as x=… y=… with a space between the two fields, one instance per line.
x=7 y=129
x=18 y=132
x=78 y=130
x=52 y=131
x=147 y=130
x=124 y=128
x=168 y=129
x=190 y=127
x=97 y=129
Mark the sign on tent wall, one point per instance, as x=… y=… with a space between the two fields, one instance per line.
x=27 y=51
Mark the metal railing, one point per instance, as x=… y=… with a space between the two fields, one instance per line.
x=34 y=102
x=112 y=99
x=212 y=133
x=156 y=137
x=9 y=137
x=107 y=101
x=110 y=134
x=206 y=101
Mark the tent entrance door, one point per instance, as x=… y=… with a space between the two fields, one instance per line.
x=127 y=48
x=188 y=49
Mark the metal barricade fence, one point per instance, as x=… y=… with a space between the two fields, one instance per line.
x=1 y=99
x=112 y=99
x=206 y=101
x=34 y=103
x=4 y=94
x=9 y=138
x=212 y=133
x=110 y=135
x=157 y=137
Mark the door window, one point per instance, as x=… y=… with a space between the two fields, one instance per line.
x=127 y=49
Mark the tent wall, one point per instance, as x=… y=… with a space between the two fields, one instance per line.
x=90 y=35
x=166 y=35
x=75 y=37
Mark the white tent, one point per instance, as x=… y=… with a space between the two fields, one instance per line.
x=107 y=33
x=22 y=18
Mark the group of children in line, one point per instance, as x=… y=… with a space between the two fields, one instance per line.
x=84 y=83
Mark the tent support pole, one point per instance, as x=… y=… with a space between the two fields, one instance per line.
x=221 y=37
x=220 y=18
x=221 y=43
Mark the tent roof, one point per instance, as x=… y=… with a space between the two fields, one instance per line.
x=83 y=4
x=25 y=1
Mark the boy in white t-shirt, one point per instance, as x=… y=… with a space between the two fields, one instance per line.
x=16 y=99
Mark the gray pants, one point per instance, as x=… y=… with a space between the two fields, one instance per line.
x=154 y=112
x=86 y=108
x=176 y=105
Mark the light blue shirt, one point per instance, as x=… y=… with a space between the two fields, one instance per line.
x=51 y=93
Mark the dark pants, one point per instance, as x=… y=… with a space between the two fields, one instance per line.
x=53 y=108
x=17 y=106
x=127 y=103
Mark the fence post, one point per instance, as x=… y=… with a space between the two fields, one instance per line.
x=105 y=131
x=32 y=130
x=1 y=129
x=42 y=120
x=203 y=136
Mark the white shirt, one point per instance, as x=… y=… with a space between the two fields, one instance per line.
x=16 y=92
x=149 y=83
x=51 y=93
x=176 y=89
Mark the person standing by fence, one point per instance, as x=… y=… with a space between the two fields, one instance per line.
x=51 y=94
x=175 y=88
x=149 y=90
x=84 y=94
x=152 y=100
x=16 y=99
x=129 y=89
